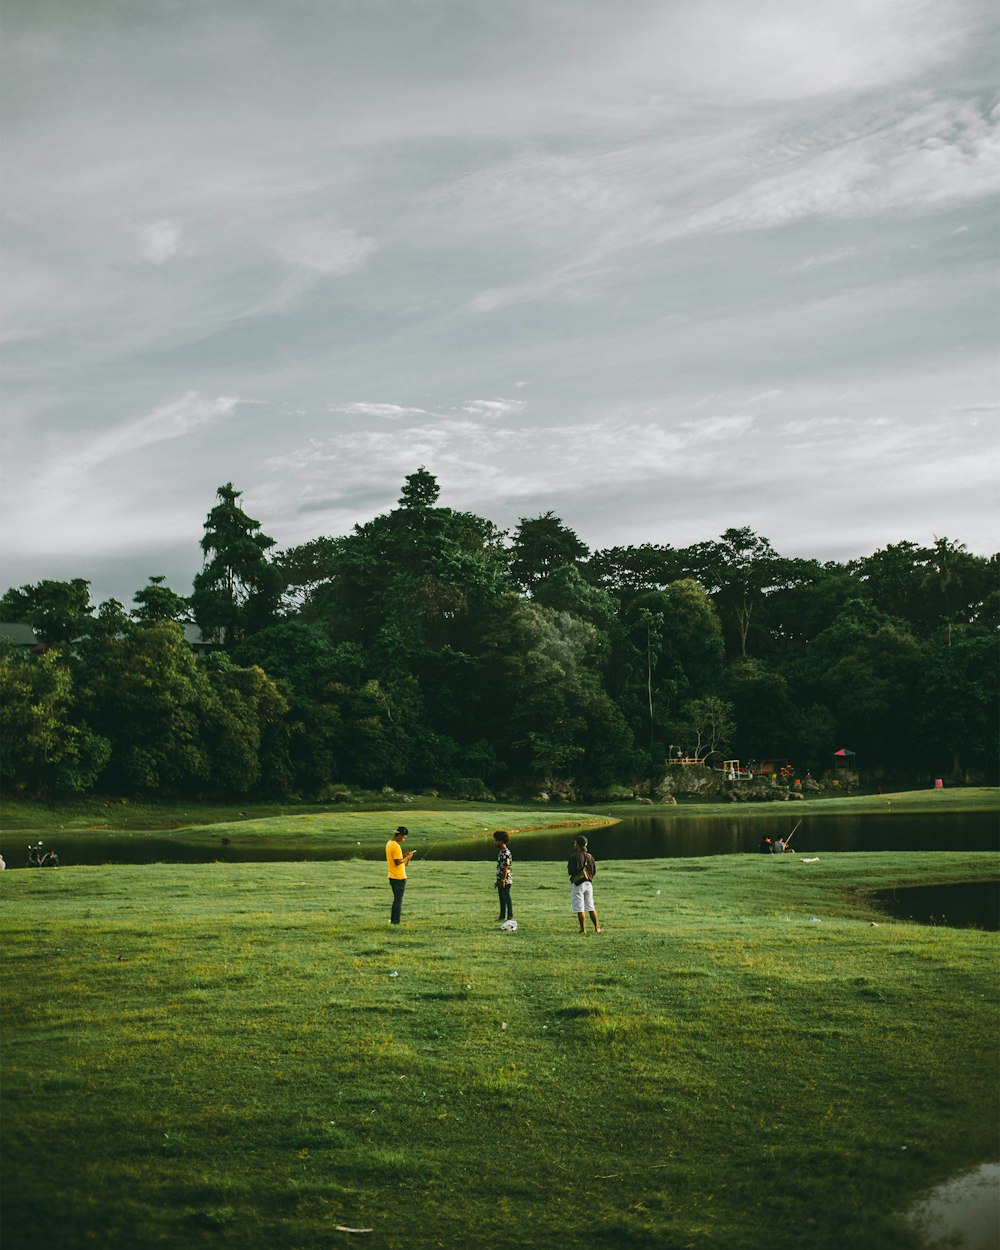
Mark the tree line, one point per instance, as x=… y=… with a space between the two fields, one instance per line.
x=429 y=650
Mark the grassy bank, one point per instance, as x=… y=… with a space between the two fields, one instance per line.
x=246 y=1056
x=301 y=834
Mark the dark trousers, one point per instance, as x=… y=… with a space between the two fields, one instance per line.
x=506 y=906
x=397 y=898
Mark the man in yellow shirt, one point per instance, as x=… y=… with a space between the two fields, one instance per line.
x=397 y=861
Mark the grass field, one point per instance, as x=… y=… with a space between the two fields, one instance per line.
x=245 y=1055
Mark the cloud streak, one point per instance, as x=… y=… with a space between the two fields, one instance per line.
x=744 y=253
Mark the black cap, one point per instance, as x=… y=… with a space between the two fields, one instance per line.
x=401 y=829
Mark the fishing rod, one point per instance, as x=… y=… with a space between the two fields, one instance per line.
x=792 y=834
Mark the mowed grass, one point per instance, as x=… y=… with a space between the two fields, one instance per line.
x=245 y=1055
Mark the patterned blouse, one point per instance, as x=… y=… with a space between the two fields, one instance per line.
x=504 y=860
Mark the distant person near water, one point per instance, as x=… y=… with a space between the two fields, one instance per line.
x=582 y=870
x=397 y=860
x=504 y=875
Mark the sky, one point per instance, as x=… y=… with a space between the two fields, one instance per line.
x=661 y=268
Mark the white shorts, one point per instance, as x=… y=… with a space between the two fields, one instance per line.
x=581 y=897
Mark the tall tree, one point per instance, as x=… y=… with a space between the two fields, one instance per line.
x=738 y=570
x=420 y=491
x=237 y=590
x=540 y=546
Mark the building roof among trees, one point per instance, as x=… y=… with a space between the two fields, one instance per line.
x=20 y=634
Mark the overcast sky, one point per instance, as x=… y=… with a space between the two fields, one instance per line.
x=661 y=266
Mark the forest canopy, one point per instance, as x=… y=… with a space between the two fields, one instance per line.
x=429 y=650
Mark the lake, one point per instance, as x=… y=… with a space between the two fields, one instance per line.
x=656 y=836
x=652 y=835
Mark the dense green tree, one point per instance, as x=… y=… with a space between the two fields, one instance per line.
x=767 y=717
x=959 y=707
x=540 y=545
x=866 y=669
x=237 y=590
x=804 y=602
x=566 y=589
x=425 y=649
x=627 y=571
x=43 y=751
x=57 y=611
x=415 y=578
x=145 y=694
x=302 y=570
x=892 y=579
x=928 y=586
x=669 y=649
x=237 y=729
x=547 y=709
x=739 y=571
x=420 y=491
x=157 y=602
x=313 y=676
x=645 y=624
x=416 y=591
x=692 y=639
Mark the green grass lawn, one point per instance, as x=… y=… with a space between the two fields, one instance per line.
x=245 y=1055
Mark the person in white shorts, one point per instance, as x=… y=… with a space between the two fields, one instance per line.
x=582 y=870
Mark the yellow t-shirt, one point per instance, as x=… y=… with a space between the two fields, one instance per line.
x=394 y=858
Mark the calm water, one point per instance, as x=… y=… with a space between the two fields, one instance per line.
x=970 y=904
x=670 y=837
x=651 y=836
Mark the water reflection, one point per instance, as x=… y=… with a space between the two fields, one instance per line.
x=676 y=836
x=669 y=835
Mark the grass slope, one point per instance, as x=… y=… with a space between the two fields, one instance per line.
x=342 y=829
x=247 y=1056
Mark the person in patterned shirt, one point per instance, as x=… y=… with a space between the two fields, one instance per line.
x=501 y=839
